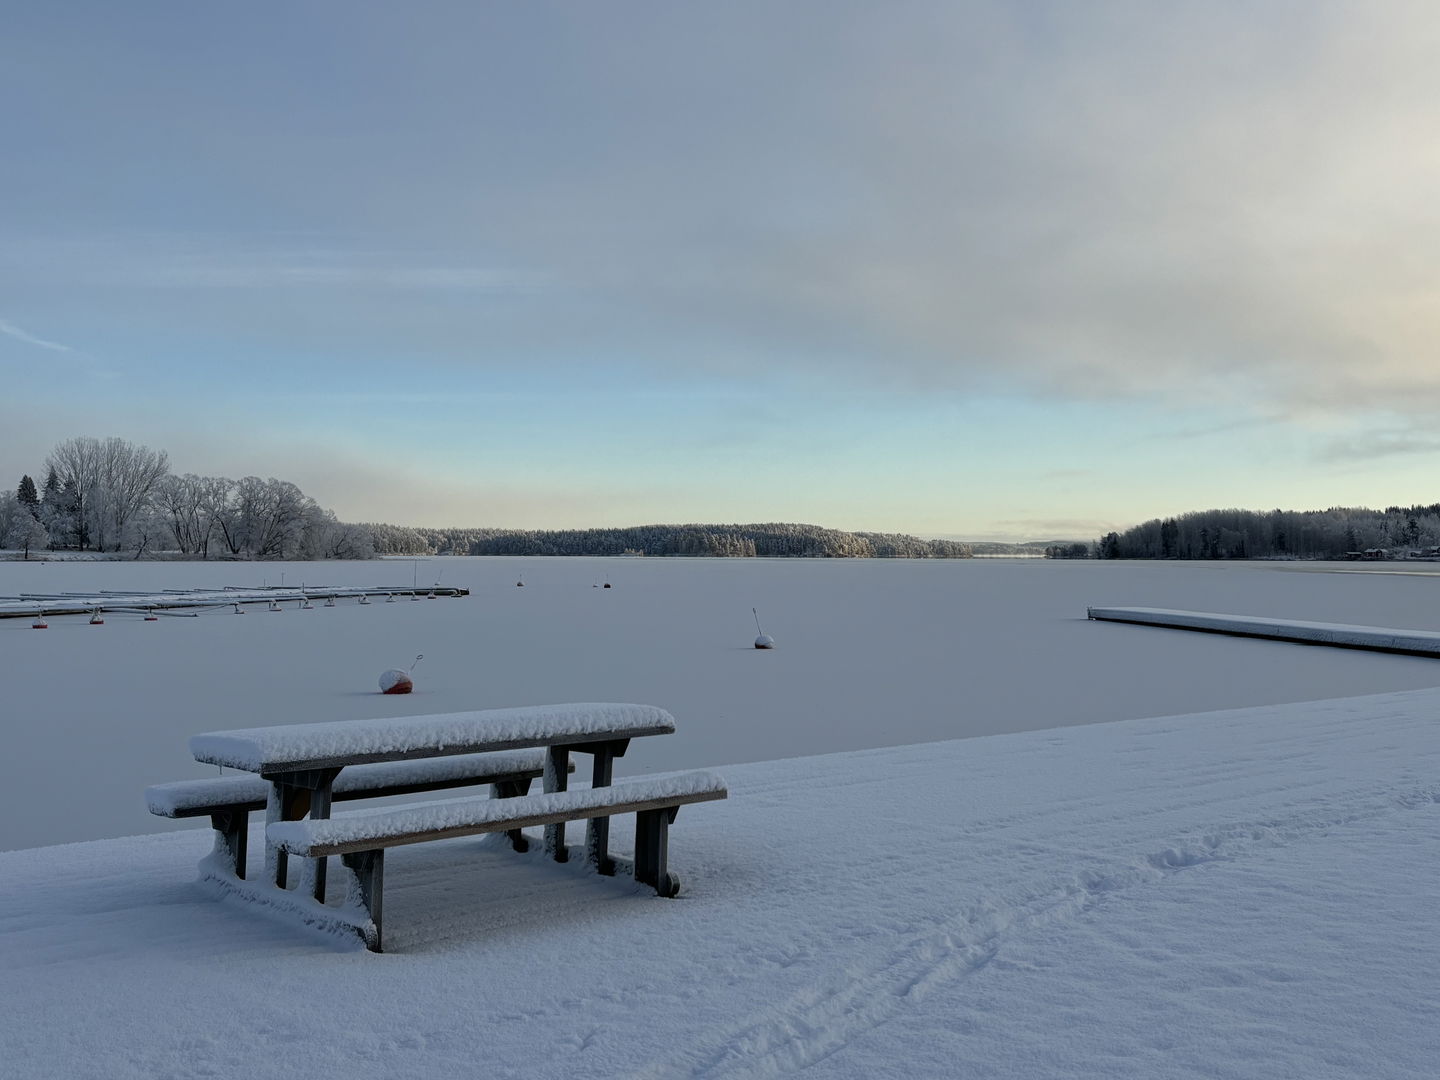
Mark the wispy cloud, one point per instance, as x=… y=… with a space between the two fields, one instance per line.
x=1380 y=445
x=10 y=330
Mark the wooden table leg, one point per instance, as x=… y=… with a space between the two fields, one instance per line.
x=597 y=830
x=292 y=796
x=557 y=778
x=314 y=873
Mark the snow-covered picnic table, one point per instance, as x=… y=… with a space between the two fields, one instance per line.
x=301 y=763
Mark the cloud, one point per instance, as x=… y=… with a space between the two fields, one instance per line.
x=1380 y=444
x=9 y=329
x=1216 y=204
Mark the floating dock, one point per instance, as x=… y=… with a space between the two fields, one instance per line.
x=1335 y=635
x=83 y=603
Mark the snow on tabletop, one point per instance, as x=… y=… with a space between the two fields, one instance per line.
x=1319 y=632
x=435 y=816
x=1247 y=894
x=255 y=749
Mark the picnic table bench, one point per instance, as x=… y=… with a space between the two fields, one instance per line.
x=298 y=770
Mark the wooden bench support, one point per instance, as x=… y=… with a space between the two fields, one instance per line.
x=232 y=828
x=652 y=843
x=368 y=869
x=513 y=789
x=360 y=839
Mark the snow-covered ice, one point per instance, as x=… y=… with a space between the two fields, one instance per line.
x=1238 y=894
x=871 y=653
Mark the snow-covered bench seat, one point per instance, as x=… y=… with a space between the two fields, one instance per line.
x=360 y=838
x=229 y=800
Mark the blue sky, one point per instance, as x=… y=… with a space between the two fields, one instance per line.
x=1004 y=270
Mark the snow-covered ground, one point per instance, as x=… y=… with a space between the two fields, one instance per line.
x=1241 y=894
x=869 y=654
x=1246 y=893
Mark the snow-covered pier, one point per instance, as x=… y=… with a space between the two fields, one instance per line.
x=1336 y=635
x=84 y=603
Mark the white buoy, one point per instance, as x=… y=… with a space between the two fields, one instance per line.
x=396 y=681
x=431 y=596
x=305 y=605
x=330 y=602
x=96 y=620
x=239 y=610
x=389 y=597
x=364 y=598
x=40 y=623
x=275 y=606
x=764 y=641
x=414 y=596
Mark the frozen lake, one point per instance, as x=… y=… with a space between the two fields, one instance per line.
x=869 y=654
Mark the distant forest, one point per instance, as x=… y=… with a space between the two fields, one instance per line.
x=742 y=541
x=1337 y=533
x=120 y=498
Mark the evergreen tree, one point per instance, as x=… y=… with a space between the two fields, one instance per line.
x=28 y=496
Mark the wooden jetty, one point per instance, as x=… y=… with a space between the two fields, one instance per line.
x=193 y=601
x=1334 y=635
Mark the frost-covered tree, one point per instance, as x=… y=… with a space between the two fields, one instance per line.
x=110 y=479
x=325 y=537
x=128 y=475
x=181 y=503
x=77 y=462
x=19 y=529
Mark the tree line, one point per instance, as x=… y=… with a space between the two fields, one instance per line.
x=1336 y=533
x=111 y=495
x=773 y=540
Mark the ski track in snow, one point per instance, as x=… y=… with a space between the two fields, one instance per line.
x=827 y=1015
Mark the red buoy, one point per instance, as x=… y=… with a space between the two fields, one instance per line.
x=396 y=681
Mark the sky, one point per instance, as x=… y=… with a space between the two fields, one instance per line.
x=1017 y=271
